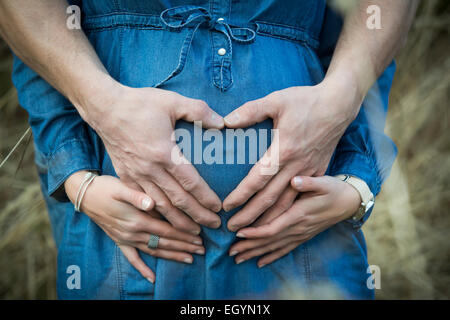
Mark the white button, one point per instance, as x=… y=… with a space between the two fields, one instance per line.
x=220 y=20
x=221 y=51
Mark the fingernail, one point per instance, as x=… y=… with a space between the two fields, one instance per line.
x=151 y=280
x=200 y=251
x=298 y=182
x=261 y=265
x=217 y=120
x=240 y=235
x=240 y=261
x=187 y=260
x=233 y=253
x=146 y=202
x=217 y=224
x=217 y=208
x=232 y=118
x=197 y=242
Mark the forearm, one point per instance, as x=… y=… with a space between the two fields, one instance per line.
x=365 y=150
x=363 y=53
x=38 y=35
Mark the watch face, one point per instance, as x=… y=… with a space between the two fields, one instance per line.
x=369 y=205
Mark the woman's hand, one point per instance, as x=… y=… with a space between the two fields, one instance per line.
x=308 y=123
x=324 y=201
x=137 y=129
x=127 y=218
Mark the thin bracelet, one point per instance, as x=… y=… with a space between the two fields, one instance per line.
x=88 y=178
x=85 y=185
x=84 y=191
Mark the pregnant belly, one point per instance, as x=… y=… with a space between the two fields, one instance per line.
x=223 y=157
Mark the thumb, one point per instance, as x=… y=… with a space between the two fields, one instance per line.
x=309 y=184
x=138 y=199
x=198 y=110
x=251 y=112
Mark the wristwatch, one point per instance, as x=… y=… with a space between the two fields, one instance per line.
x=367 y=198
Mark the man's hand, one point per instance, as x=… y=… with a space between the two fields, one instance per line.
x=137 y=128
x=134 y=124
x=309 y=122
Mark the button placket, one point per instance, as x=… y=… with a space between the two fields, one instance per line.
x=222 y=77
x=222 y=50
x=221 y=34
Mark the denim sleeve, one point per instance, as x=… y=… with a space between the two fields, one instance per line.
x=61 y=137
x=364 y=150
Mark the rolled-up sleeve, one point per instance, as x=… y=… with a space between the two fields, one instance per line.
x=61 y=137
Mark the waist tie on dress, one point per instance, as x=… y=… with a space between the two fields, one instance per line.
x=192 y=17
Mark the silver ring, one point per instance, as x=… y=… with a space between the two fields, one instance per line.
x=153 y=241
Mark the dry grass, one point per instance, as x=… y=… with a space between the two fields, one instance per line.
x=27 y=250
x=407 y=235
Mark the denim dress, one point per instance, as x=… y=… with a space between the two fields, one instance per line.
x=225 y=53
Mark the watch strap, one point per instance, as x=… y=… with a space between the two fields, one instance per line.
x=367 y=198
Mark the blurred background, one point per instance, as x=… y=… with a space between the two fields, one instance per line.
x=408 y=233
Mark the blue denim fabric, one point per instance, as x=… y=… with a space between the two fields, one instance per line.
x=270 y=45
